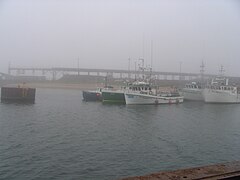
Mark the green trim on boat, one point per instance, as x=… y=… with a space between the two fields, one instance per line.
x=113 y=97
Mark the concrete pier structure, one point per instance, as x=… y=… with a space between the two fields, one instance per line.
x=228 y=171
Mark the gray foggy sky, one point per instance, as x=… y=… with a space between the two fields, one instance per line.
x=105 y=33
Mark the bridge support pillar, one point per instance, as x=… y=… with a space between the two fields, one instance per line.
x=54 y=75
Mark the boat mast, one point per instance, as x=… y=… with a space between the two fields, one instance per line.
x=202 y=72
x=151 y=54
x=142 y=67
x=221 y=71
x=105 y=82
x=135 y=63
x=151 y=68
x=129 y=60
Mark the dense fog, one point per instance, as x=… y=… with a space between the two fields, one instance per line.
x=106 y=33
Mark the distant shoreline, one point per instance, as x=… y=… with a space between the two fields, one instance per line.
x=81 y=86
x=77 y=86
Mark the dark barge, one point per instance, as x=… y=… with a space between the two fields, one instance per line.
x=18 y=94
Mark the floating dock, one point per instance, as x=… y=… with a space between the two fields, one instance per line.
x=18 y=94
x=228 y=171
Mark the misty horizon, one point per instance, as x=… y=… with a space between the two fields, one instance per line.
x=105 y=34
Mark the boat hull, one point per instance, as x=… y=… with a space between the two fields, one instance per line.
x=138 y=99
x=216 y=96
x=113 y=97
x=192 y=94
x=92 y=96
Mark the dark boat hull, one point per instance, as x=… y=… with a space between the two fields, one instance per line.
x=92 y=96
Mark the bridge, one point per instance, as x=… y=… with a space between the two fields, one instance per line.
x=130 y=74
x=4 y=76
x=57 y=72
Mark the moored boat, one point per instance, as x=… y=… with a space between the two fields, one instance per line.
x=92 y=95
x=117 y=96
x=138 y=98
x=219 y=91
x=95 y=95
x=113 y=96
x=144 y=93
x=193 y=91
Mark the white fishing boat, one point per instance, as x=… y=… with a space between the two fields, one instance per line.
x=193 y=91
x=219 y=91
x=143 y=93
x=137 y=98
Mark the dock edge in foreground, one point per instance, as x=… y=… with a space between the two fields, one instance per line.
x=229 y=171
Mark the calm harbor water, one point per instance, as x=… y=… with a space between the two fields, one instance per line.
x=61 y=137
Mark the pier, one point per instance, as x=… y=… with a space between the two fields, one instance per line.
x=18 y=94
x=228 y=171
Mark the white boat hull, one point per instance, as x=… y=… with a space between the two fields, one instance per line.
x=135 y=98
x=192 y=94
x=218 y=96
